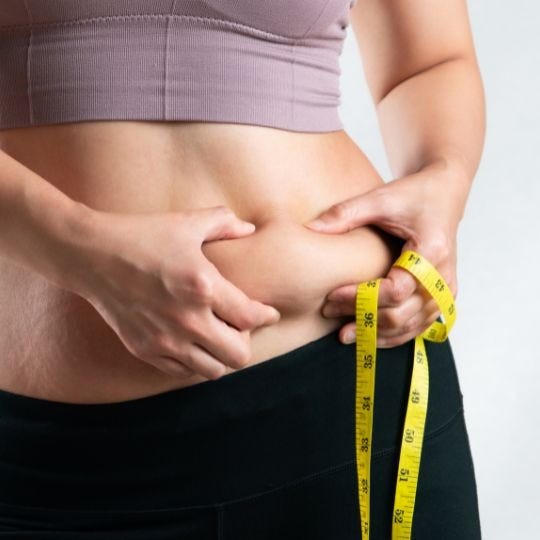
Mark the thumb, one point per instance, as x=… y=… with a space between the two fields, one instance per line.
x=220 y=222
x=351 y=213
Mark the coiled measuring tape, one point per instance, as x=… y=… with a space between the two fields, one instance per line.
x=413 y=429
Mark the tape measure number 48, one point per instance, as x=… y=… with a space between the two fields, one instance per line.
x=413 y=429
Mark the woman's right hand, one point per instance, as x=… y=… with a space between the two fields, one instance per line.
x=148 y=278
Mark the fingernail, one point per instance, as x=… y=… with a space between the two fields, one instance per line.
x=277 y=314
x=350 y=336
x=316 y=224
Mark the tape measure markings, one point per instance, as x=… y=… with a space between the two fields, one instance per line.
x=413 y=430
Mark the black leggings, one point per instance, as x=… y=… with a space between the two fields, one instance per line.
x=264 y=453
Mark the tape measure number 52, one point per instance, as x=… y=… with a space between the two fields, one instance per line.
x=413 y=429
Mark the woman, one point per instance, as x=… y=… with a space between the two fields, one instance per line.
x=168 y=369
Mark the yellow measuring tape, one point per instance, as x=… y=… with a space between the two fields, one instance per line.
x=413 y=429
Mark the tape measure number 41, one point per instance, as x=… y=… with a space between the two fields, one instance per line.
x=413 y=429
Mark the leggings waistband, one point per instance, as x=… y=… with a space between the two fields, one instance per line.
x=252 y=430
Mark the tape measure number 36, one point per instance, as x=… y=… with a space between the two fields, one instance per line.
x=413 y=429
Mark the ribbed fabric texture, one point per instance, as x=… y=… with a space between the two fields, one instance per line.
x=271 y=63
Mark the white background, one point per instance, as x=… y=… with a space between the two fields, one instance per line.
x=494 y=338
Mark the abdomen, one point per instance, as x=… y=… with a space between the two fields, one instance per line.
x=54 y=345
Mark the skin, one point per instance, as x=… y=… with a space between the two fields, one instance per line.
x=131 y=255
x=434 y=151
x=127 y=265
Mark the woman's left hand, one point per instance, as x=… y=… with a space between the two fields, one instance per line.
x=424 y=209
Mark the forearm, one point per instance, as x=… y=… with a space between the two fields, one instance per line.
x=436 y=119
x=41 y=228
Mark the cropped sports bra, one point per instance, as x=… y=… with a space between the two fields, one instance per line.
x=264 y=62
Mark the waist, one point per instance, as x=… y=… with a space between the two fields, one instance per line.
x=54 y=345
x=132 y=166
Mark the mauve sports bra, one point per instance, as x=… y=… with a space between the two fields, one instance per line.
x=265 y=62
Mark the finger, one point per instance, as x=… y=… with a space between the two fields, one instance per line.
x=390 y=317
x=396 y=287
x=341 y=301
x=392 y=321
x=173 y=367
x=419 y=323
x=200 y=361
x=394 y=341
x=351 y=213
x=345 y=294
x=168 y=364
x=220 y=222
x=223 y=342
x=440 y=253
x=233 y=306
x=347 y=333
x=189 y=354
x=336 y=309
x=428 y=311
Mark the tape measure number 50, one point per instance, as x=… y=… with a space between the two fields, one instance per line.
x=413 y=429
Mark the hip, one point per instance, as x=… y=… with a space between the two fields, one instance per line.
x=217 y=441
x=256 y=453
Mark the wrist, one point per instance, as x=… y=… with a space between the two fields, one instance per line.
x=72 y=242
x=452 y=179
x=453 y=172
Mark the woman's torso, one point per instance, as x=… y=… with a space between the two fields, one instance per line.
x=53 y=343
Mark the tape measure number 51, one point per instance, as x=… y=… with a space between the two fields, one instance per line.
x=413 y=429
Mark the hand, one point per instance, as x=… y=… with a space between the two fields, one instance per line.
x=150 y=281
x=424 y=209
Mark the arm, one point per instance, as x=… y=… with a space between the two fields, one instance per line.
x=422 y=73
x=40 y=227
